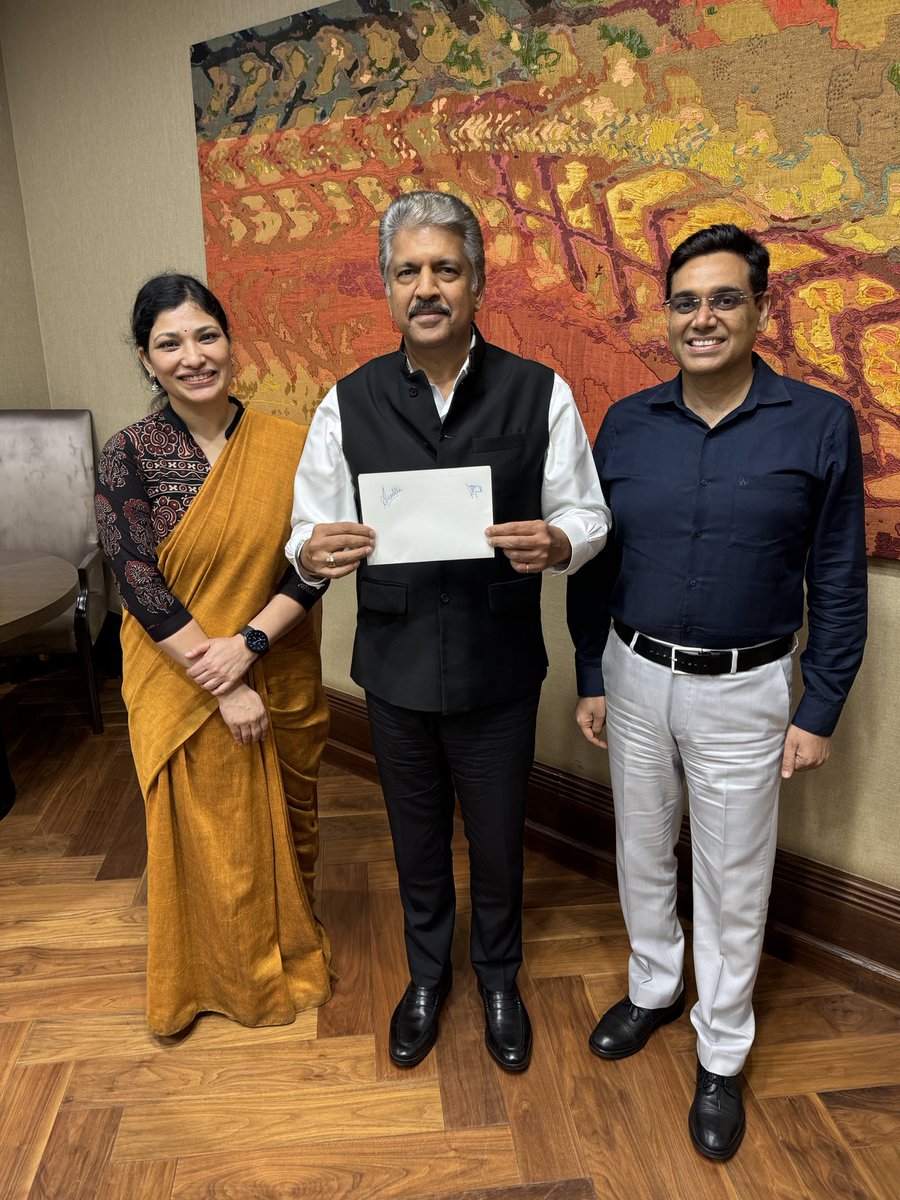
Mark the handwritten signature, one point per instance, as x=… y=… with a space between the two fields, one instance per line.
x=475 y=489
x=388 y=497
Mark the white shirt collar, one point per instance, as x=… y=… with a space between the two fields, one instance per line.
x=441 y=403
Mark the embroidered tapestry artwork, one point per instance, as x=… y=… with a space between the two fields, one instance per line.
x=590 y=139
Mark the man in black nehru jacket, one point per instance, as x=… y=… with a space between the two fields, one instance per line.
x=450 y=653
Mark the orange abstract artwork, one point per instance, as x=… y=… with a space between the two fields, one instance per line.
x=590 y=139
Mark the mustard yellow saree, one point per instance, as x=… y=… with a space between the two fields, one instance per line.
x=232 y=831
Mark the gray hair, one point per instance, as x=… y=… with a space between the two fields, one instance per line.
x=432 y=208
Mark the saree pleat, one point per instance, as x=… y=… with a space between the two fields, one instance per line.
x=232 y=831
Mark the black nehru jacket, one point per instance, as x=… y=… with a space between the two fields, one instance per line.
x=451 y=636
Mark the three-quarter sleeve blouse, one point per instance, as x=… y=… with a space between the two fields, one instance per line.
x=147 y=476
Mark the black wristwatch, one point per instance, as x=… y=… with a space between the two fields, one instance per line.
x=256 y=640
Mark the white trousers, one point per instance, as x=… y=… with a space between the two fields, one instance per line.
x=724 y=736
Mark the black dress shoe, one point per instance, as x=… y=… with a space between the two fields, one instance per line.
x=716 y=1119
x=414 y=1025
x=625 y=1028
x=507 y=1029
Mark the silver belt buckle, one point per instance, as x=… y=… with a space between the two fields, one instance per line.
x=674 y=669
x=675 y=649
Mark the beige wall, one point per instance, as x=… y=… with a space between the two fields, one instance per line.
x=23 y=379
x=102 y=118
x=103 y=123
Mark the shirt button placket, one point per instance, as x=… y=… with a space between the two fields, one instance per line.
x=694 y=563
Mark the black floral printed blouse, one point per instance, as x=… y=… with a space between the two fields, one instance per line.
x=147 y=476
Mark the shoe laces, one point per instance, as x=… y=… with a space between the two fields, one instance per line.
x=713 y=1084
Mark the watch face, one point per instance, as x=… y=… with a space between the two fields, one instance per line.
x=256 y=640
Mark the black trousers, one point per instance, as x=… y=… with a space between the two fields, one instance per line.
x=483 y=757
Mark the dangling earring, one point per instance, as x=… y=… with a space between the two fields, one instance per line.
x=155 y=385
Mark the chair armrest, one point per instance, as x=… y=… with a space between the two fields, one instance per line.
x=81 y=602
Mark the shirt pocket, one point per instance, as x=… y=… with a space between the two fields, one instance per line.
x=769 y=511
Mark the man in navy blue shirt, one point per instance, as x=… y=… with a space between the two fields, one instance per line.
x=729 y=486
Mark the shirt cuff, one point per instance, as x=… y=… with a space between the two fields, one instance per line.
x=293 y=551
x=817 y=716
x=589 y=679
x=579 y=546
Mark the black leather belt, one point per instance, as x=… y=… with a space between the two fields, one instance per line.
x=703 y=662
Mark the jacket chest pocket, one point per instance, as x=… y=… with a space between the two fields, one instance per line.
x=507 y=442
x=505 y=455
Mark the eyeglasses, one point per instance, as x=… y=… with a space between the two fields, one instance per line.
x=684 y=306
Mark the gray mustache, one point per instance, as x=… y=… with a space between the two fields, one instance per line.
x=423 y=306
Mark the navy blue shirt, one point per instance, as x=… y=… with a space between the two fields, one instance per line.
x=715 y=529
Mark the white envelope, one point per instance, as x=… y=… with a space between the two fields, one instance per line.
x=428 y=516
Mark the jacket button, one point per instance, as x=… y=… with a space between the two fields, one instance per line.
x=414 y=391
x=445 y=599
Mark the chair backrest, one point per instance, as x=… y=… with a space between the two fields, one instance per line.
x=47 y=481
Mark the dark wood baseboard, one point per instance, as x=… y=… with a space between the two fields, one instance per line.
x=820 y=917
x=349 y=740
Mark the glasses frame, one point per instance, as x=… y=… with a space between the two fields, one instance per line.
x=698 y=302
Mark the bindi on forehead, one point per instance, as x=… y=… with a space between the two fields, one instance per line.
x=185 y=325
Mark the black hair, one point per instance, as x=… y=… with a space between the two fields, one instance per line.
x=164 y=292
x=715 y=239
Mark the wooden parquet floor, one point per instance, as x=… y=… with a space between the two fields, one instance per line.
x=93 y=1107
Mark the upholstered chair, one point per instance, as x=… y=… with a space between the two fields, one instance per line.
x=47 y=506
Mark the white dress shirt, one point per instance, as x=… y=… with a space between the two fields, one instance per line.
x=571 y=496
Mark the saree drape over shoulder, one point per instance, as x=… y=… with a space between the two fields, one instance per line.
x=232 y=831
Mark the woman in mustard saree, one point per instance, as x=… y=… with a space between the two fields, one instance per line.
x=221 y=678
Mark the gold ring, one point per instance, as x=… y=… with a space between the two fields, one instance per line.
x=329 y=561
x=527 y=568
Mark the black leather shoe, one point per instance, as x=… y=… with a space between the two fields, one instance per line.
x=507 y=1029
x=625 y=1028
x=716 y=1119
x=414 y=1024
